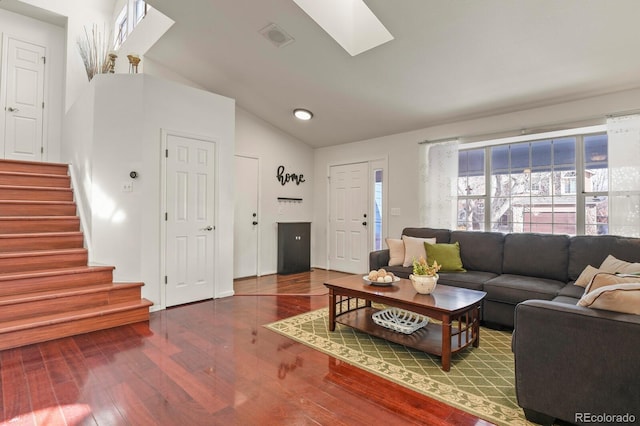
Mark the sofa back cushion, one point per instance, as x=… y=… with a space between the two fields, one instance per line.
x=593 y=250
x=480 y=251
x=441 y=235
x=536 y=255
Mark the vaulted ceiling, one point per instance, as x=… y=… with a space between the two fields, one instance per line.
x=449 y=60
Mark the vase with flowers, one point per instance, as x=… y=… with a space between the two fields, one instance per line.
x=424 y=277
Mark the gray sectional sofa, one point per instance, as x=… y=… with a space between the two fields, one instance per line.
x=571 y=362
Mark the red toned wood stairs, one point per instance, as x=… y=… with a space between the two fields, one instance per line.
x=47 y=289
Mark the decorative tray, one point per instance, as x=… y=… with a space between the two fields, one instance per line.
x=384 y=284
x=400 y=320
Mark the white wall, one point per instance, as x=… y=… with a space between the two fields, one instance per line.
x=53 y=38
x=125 y=123
x=257 y=138
x=80 y=14
x=402 y=151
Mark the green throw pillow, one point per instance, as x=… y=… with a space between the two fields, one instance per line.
x=447 y=256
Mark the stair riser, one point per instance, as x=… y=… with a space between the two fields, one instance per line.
x=71 y=328
x=28 y=209
x=40 y=168
x=35 y=263
x=56 y=305
x=28 y=180
x=13 y=244
x=38 y=194
x=34 y=284
x=22 y=226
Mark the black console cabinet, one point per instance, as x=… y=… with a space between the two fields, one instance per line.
x=294 y=247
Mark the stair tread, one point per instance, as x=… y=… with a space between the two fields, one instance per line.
x=53 y=272
x=34 y=163
x=36 y=188
x=35 y=322
x=44 y=175
x=56 y=294
x=36 y=202
x=42 y=252
x=35 y=218
x=43 y=234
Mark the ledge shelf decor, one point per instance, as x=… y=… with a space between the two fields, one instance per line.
x=299 y=200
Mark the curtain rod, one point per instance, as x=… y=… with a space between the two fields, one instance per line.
x=540 y=129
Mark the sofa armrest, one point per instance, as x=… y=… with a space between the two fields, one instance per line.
x=572 y=361
x=378 y=259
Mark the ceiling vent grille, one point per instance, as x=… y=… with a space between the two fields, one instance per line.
x=276 y=35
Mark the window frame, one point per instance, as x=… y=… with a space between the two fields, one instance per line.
x=581 y=195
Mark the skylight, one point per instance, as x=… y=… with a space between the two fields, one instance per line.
x=350 y=22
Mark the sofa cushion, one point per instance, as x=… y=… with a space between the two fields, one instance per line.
x=536 y=255
x=480 y=251
x=414 y=249
x=447 y=255
x=514 y=289
x=399 y=271
x=441 y=235
x=593 y=250
x=473 y=280
x=572 y=290
x=618 y=298
x=396 y=251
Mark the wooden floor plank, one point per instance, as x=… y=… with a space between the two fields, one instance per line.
x=208 y=363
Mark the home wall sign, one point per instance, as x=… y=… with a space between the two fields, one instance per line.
x=284 y=178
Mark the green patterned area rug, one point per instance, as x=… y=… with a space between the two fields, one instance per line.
x=481 y=380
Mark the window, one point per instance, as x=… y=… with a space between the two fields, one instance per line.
x=377 y=210
x=548 y=186
x=129 y=16
x=121 y=30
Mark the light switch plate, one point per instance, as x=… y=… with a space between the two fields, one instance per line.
x=395 y=211
x=127 y=186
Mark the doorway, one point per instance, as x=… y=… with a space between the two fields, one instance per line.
x=189 y=218
x=246 y=217
x=23 y=101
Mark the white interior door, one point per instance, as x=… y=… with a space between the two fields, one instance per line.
x=348 y=218
x=246 y=223
x=24 y=101
x=190 y=232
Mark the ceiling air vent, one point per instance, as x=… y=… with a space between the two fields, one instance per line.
x=276 y=35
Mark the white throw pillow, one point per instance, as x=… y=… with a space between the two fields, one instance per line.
x=617 y=266
x=587 y=275
x=414 y=248
x=623 y=298
x=396 y=251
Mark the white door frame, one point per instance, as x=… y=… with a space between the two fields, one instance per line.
x=165 y=133
x=384 y=161
x=3 y=92
x=259 y=213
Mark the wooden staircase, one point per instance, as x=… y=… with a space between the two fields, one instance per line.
x=47 y=290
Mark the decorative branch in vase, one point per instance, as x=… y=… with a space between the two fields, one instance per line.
x=94 y=49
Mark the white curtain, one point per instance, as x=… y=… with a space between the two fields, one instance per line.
x=438 y=184
x=624 y=175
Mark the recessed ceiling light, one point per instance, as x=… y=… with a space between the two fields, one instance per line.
x=303 y=114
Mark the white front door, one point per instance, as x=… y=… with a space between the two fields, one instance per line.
x=348 y=218
x=24 y=100
x=190 y=232
x=246 y=223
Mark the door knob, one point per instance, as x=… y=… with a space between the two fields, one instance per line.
x=364 y=223
x=11 y=109
x=254 y=222
x=208 y=228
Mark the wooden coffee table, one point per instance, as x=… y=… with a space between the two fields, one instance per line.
x=458 y=309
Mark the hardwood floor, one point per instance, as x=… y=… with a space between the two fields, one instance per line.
x=207 y=363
